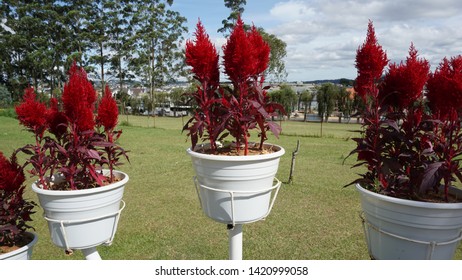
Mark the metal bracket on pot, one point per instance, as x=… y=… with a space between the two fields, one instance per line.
x=431 y=244
x=232 y=194
x=70 y=222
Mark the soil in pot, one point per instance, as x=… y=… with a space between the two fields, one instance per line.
x=232 y=151
x=431 y=196
x=64 y=185
x=23 y=241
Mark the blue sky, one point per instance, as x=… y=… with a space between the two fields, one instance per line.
x=322 y=36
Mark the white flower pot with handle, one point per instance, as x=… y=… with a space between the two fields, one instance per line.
x=236 y=189
x=23 y=253
x=404 y=229
x=82 y=219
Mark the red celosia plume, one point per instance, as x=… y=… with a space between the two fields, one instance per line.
x=107 y=111
x=445 y=87
x=245 y=54
x=202 y=55
x=370 y=61
x=31 y=113
x=11 y=174
x=79 y=99
x=261 y=49
x=404 y=83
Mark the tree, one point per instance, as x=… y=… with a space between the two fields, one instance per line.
x=285 y=96
x=276 y=70
x=345 y=101
x=120 y=15
x=5 y=97
x=346 y=82
x=45 y=37
x=306 y=97
x=22 y=44
x=98 y=32
x=78 y=18
x=158 y=36
x=178 y=97
x=237 y=9
x=110 y=33
x=326 y=97
x=123 y=99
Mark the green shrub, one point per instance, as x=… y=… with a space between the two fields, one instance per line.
x=8 y=112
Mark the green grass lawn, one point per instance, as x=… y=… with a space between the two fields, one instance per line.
x=312 y=218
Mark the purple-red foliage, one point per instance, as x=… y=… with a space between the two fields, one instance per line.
x=231 y=110
x=74 y=146
x=445 y=100
x=407 y=149
x=203 y=57
x=15 y=211
x=108 y=115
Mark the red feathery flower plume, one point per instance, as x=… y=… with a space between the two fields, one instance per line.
x=245 y=54
x=370 y=61
x=11 y=175
x=404 y=83
x=79 y=99
x=107 y=111
x=202 y=55
x=238 y=54
x=445 y=87
x=31 y=113
x=261 y=49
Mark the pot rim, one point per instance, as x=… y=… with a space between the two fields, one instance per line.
x=276 y=154
x=419 y=204
x=23 y=248
x=109 y=187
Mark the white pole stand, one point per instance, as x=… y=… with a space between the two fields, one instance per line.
x=91 y=254
x=235 y=241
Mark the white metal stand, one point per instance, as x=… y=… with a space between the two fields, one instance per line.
x=235 y=242
x=235 y=229
x=91 y=254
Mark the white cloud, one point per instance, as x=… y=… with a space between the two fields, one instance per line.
x=326 y=34
x=292 y=10
x=322 y=36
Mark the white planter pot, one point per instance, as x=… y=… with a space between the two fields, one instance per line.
x=82 y=219
x=404 y=229
x=23 y=253
x=236 y=189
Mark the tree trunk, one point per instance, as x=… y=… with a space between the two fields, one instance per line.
x=121 y=81
x=321 y=126
x=102 y=66
x=153 y=50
